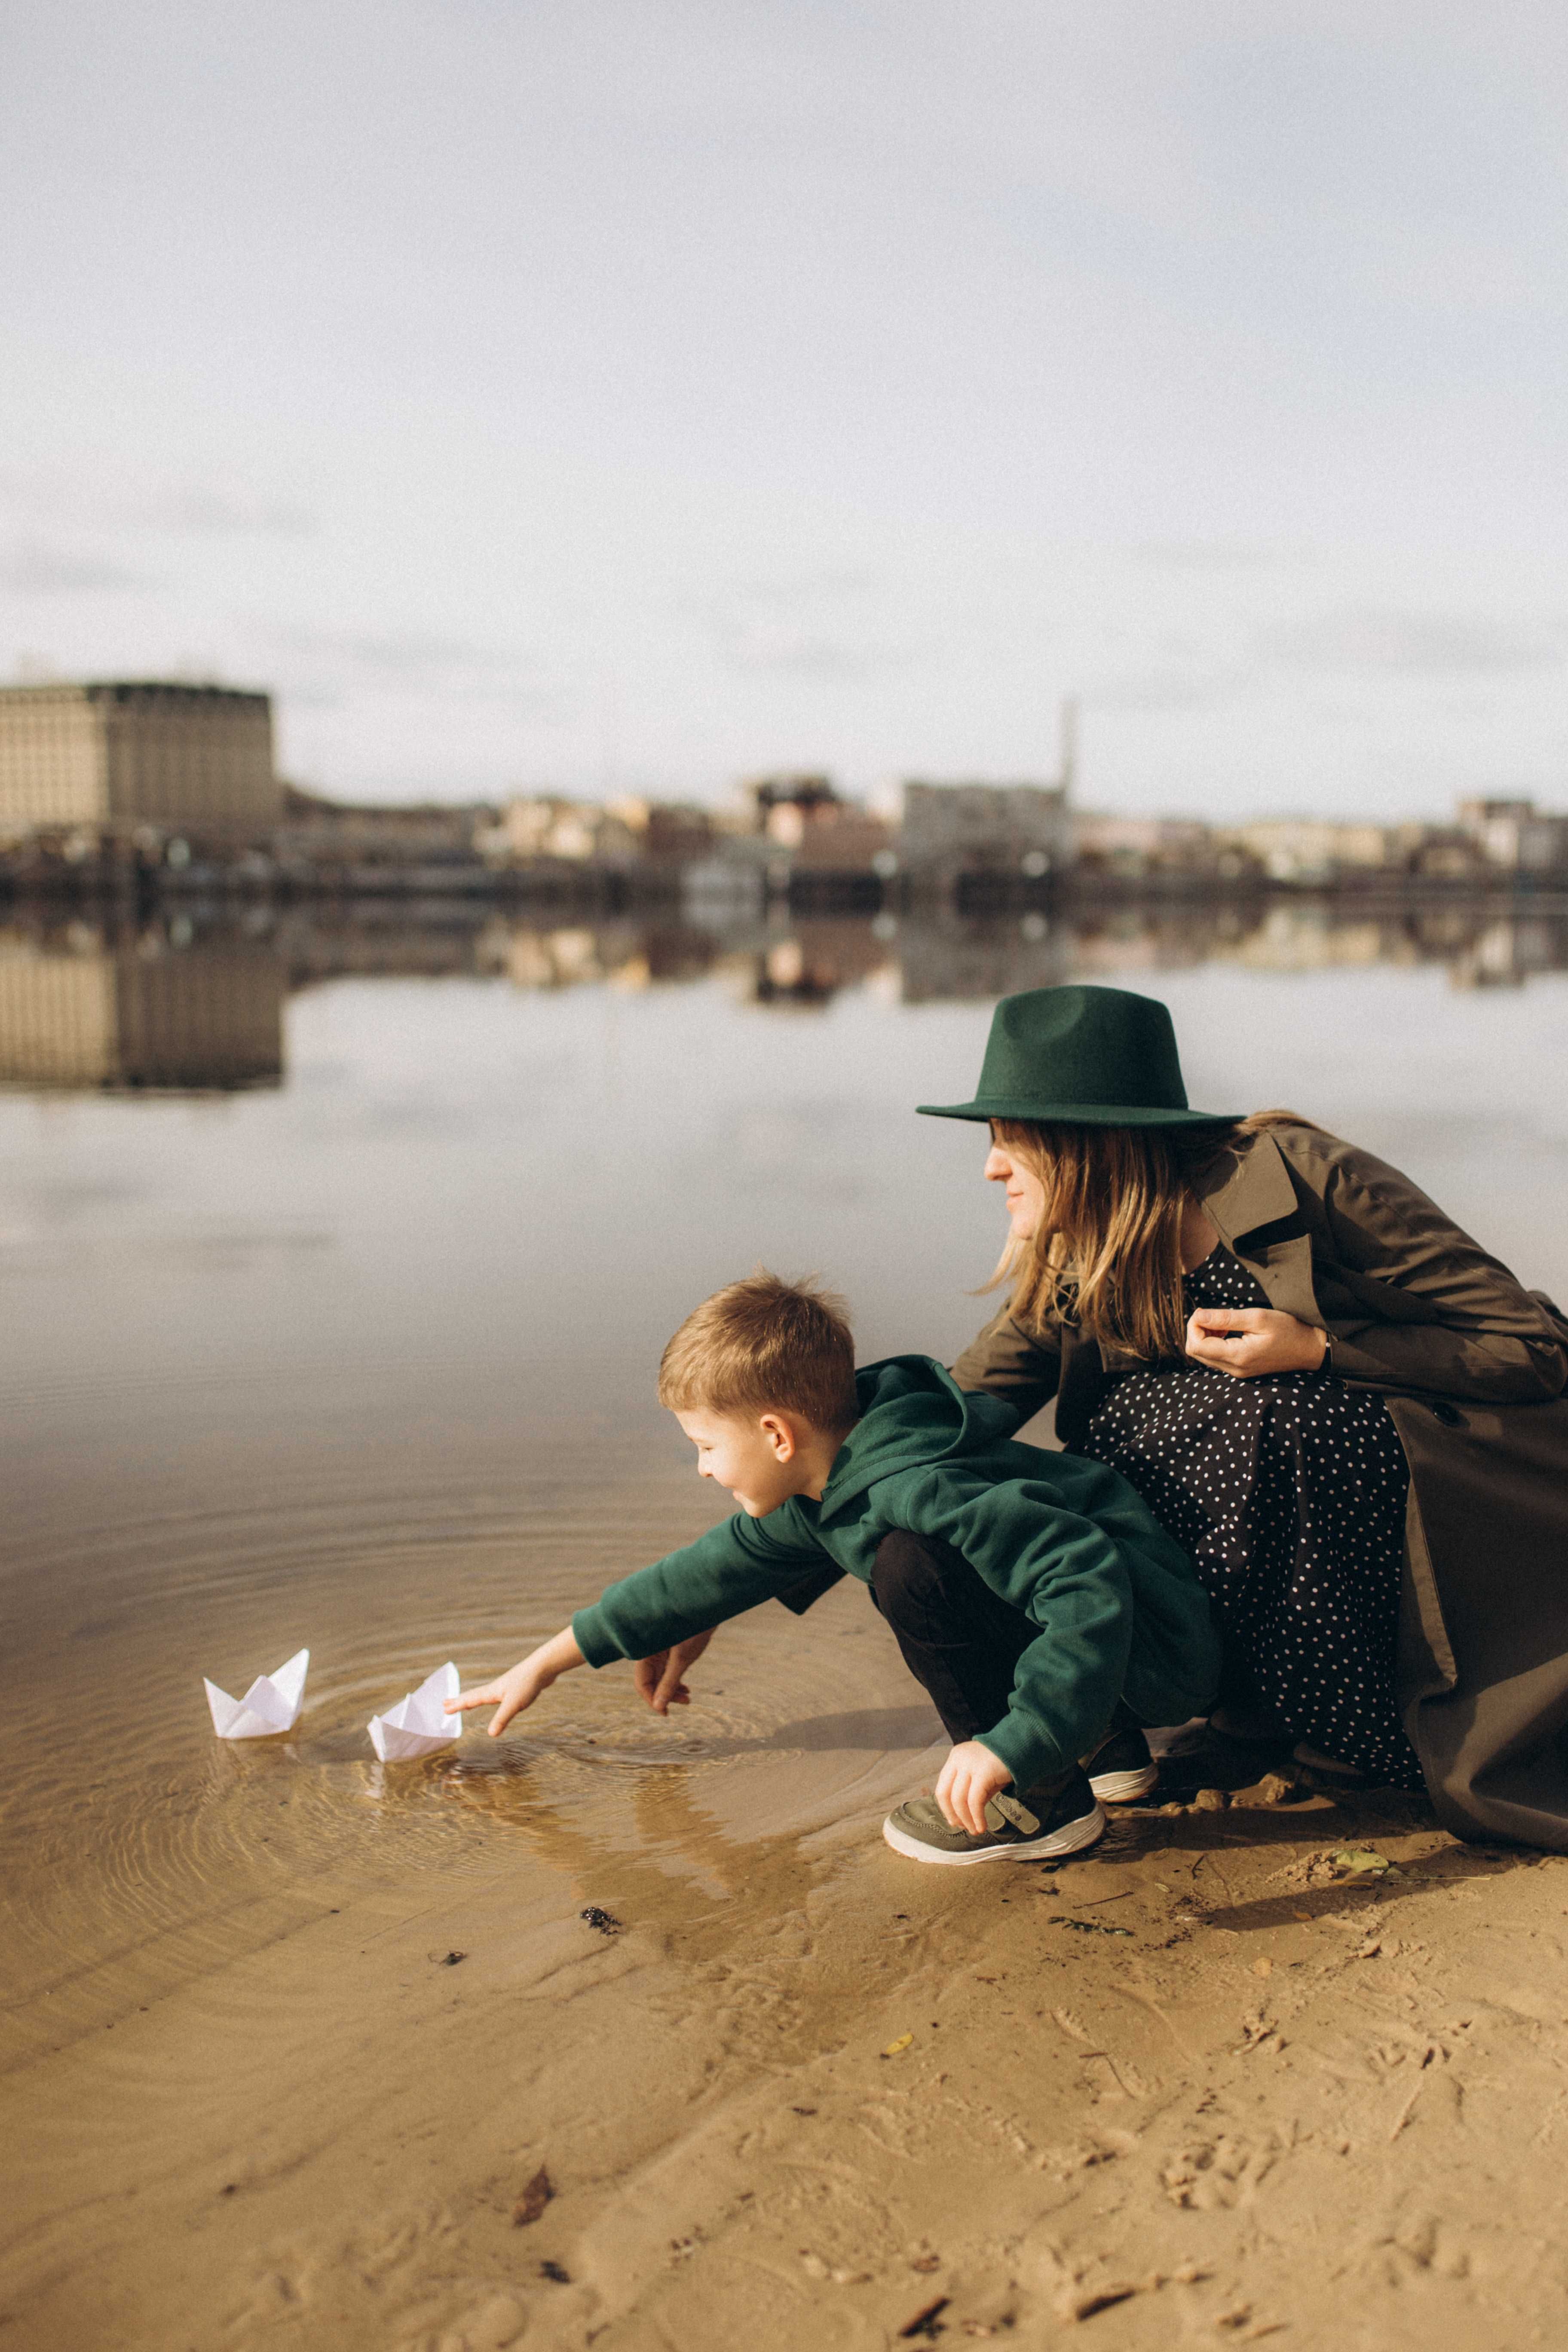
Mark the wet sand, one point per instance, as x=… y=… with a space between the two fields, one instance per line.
x=367 y=1364
x=1290 y=2097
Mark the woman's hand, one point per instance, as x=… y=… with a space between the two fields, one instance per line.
x=1260 y=1339
x=660 y=1678
x=967 y=1782
x=513 y=1691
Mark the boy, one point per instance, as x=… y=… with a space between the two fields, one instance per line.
x=1081 y=1619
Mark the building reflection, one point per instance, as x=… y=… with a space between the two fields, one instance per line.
x=196 y=1003
x=80 y=1010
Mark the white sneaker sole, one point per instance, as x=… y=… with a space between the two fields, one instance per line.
x=1071 y=1838
x=1121 y=1788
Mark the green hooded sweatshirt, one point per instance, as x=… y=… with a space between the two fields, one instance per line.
x=1119 y=1606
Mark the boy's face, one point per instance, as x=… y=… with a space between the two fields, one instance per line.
x=756 y=1456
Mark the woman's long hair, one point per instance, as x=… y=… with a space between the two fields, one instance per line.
x=1107 y=1252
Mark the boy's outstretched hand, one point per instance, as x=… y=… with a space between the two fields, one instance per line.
x=966 y=1784
x=518 y=1688
x=660 y=1678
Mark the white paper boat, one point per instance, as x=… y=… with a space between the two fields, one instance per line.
x=417 y=1726
x=270 y=1705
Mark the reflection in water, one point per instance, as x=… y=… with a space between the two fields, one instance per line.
x=198 y=1004
x=79 y=1010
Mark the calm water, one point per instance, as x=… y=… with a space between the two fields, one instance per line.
x=336 y=1265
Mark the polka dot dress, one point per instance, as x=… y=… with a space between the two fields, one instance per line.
x=1289 y=1491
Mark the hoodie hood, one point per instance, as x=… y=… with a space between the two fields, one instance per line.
x=912 y=1413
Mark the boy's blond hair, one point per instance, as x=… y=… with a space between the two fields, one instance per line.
x=763 y=1345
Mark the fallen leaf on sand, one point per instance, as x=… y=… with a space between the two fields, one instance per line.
x=897 y=2049
x=1262 y=1968
x=1362 y=1858
x=535 y=2197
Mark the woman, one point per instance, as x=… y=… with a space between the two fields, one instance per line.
x=1348 y=1413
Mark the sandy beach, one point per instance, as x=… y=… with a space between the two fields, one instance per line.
x=1253 y=2067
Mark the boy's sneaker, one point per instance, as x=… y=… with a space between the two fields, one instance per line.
x=1068 y=1820
x=1122 y=1767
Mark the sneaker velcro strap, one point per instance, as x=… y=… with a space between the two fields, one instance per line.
x=1012 y=1810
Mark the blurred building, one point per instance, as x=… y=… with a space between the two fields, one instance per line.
x=543 y=824
x=674 y=833
x=1154 y=850
x=1307 y=850
x=77 y=1012
x=319 y=833
x=188 y=758
x=1516 y=837
x=954 y=834
x=814 y=830
x=618 y=834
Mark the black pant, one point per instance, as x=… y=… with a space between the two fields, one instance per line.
x=958 y=1639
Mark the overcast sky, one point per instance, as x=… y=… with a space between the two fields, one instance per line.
x=639 y=393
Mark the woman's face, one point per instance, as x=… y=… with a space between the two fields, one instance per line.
x=1026 y=1193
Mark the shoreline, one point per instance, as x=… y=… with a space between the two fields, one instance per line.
x=1246 y=2108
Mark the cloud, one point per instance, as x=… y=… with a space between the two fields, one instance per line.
x=1213 y=554
x=1149 y=692
x=395 y=653
x=37 y=567
x=326 y=668
x=1370 y=643
x=168 y=510
x=214 y=512
x=806 y=628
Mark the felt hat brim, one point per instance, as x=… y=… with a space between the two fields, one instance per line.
x=1075 y=1114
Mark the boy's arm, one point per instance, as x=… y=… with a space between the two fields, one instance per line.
x=732 y=1568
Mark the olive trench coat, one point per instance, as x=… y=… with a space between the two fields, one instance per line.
x=1473 y=1368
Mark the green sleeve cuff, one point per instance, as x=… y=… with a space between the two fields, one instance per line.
x=1026 y=1749
x=593 y=1637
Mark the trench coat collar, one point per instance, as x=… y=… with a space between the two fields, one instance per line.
x=1244 y=1193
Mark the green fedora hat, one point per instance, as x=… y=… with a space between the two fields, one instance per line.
x=1084 y=1057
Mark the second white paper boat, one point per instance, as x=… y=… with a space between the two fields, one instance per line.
x=417 y=1726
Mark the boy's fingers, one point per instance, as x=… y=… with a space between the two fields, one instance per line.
x=465 y=1699
x=668 y=1684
